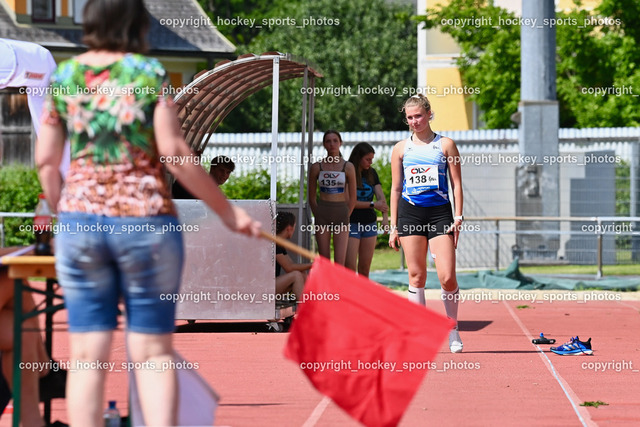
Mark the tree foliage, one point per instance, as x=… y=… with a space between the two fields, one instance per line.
x=597 y=61
x=228 y=16
x=19 y=189
x=358 y=45
x=256 y=185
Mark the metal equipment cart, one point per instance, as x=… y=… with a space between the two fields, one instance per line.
x=226 y=276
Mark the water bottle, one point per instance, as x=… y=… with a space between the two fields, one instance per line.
x=43 y=227
x=111 y=415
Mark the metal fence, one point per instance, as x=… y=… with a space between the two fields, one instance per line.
x=491 y=242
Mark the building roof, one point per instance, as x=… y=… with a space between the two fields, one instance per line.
x=178 y=27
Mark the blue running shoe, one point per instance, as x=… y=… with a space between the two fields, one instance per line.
x=574 y=347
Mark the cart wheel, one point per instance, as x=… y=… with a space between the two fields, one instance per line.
x=191 y=322
x=275 y=327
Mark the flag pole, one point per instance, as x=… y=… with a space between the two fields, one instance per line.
x=288 y=245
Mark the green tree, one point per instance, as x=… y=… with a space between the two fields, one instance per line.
x=232 y=17
x=598 y=70
x=359 y=46
x=19 y=189
x=597 y=57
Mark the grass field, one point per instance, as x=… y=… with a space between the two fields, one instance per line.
x=388 y=259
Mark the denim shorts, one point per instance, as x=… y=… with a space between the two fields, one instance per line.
x=101 y=259
x=361 y=231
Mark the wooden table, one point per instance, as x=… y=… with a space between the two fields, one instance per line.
x=22 y=265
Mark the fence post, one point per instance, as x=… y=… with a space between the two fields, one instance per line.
x=599 y=228
x=497 y=244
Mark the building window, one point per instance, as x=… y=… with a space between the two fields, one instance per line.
x=43 y=10
x=78 y=7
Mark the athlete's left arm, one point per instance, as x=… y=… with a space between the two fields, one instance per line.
x=382 y=207
x=350 y=171
x=452 y=155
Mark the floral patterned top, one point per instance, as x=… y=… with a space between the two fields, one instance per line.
x=108 y=113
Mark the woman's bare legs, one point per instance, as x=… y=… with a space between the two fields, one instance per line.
x=340 y=242
x=415 y=253
x=324 y=243
x=365 y=254
x=445 y=256
x=157 y=388
x=85 y=387
x=291 y=281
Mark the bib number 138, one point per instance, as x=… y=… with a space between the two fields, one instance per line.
x=421 y=177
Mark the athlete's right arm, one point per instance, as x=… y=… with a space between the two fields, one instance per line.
x=288 y=265
x=397 y=177
x=312 y=187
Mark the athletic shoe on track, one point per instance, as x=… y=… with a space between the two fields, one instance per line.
x=574 y=347
x=455 y=343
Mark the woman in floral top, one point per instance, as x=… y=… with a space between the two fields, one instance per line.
x=118 y=225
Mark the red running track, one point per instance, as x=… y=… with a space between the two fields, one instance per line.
x=499 y=379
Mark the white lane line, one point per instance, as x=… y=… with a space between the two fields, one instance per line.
x=628 y=305
x=581 y=411
x=317 y=412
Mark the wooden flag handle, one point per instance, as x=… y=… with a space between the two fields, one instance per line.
x=288 y=245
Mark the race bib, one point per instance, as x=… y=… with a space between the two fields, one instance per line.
x=421 y=178
x=332 y=182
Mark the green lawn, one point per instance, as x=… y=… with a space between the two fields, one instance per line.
x=388 y=259
x=385 y=259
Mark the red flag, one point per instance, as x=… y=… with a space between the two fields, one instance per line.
x=361 y=345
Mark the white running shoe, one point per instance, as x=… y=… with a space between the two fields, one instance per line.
x=455 y=343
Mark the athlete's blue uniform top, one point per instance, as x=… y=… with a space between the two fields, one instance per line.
x=420 y=191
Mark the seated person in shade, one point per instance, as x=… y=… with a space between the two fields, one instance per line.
x=221 y=168
x=292 y=280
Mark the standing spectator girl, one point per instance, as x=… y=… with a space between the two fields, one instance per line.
x=363 y=227
x=336 y=179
